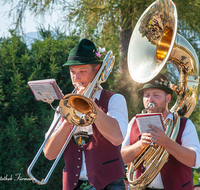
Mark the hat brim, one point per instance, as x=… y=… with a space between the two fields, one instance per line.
x=148 y=86
x=77 y=62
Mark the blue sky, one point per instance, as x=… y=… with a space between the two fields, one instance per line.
x=29 y=24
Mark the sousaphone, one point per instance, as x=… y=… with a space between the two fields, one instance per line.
x=154 y=43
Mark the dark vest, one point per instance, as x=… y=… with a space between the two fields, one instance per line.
x=175 y=175
x=103 y=159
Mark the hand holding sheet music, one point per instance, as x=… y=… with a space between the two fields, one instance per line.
x=155 y=119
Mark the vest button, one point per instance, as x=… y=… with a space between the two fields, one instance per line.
x=78 y=166
x=79 y=150
x=76 y=175
x=79 y=158
x=74 y=183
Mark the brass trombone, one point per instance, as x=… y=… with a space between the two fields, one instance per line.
x=78 y=110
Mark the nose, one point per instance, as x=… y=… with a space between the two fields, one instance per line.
x=76 y=77
x=150 y=98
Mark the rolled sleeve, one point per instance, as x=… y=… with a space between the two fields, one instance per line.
x=190 y=140
x=126 y=141
x=117 y=108
x=55 y=119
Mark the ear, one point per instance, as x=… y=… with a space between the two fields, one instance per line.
x=97 y=68
x=168 y=98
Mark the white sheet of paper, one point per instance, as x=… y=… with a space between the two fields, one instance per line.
x=154 y=120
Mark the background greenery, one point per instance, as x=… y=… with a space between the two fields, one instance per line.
x=23 y=120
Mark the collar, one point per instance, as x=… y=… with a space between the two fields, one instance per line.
x=170 y=116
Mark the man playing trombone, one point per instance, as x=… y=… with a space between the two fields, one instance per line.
x=176 y=174
x=92 y=157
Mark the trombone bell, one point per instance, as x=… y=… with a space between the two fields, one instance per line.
x=77 y=110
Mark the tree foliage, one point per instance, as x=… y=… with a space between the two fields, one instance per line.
x=23 y=120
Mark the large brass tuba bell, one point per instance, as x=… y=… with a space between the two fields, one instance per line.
x=155 y=42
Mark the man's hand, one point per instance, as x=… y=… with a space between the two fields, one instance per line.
x=145 y=139
x=186 y=156
x=158 y=136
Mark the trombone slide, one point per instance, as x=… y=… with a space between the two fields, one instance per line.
x=44 y=181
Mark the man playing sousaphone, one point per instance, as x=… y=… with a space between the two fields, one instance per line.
x=176 y=174
x=92 y=157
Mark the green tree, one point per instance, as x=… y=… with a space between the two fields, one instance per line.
x=23 y=120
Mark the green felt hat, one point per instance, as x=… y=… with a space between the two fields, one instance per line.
x=159 y=82
x=83 y=53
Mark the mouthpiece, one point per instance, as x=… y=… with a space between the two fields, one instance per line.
x=150 y=106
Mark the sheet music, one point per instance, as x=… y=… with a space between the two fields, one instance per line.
x=47 y=87
x=43 y=88
x=143 y=122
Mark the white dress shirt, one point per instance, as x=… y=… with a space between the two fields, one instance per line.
x=189 y=139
